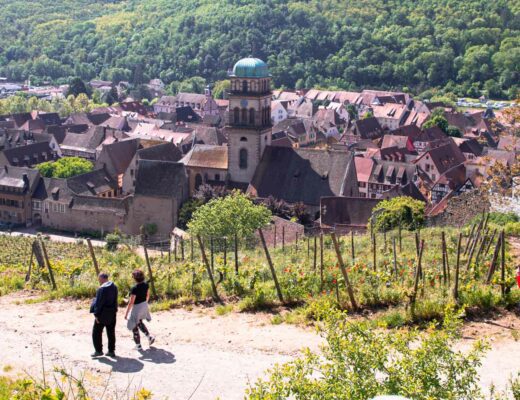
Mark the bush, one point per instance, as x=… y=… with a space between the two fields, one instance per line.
x=65 y=167
x=358 y=362
x=403 y=210
x=512 y=228
x=112 y=241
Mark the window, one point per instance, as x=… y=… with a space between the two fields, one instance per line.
x=236 y=115
x=244 y=86
x=217 y=177
x=243 y=139
x=252 y=116
x=37 y=205
x=198 y=181
x=242 y=163
x=244 y=115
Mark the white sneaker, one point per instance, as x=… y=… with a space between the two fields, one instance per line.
x=138 y=347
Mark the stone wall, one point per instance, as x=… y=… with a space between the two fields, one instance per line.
x=461 y=210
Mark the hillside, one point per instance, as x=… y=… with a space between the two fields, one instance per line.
x=462 y=46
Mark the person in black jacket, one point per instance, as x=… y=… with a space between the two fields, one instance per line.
x=104 y=308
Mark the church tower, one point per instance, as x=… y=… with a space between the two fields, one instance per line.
x=249 y=119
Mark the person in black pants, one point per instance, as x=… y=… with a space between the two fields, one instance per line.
x=104 y=308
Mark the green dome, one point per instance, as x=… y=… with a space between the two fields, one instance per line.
x=250 y=68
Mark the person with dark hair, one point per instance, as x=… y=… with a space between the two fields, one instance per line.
x=104 y=308
x=138 y=309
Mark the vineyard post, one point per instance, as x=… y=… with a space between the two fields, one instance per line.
x=457 y=270
x=283 y=237
x=482 y=245
x=400 y=239
x=274 y=238
x=352 y=246
x=93 y=256
x=315 y=253
x=417 y=243
x=149 y=266
x=236 y=253
x=470 y=237
x=488 y=247
x=418 y=272
x=182 y=249
x=321 y=256
x=444 y=258
x=175 y=249
x=309 y=249
x=473 y=246
x=192 y=248
x=374 y=251
x=344 y=272
x=29 y=269
x=208 y=269
x=296 y=241
x=225 y=251
x=492 y=266
x=395 y=258
x=503 y=264
x=212 y=253
x=271 y=267
x=51 y=274
x=384 y=239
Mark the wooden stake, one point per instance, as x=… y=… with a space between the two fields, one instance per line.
x=321 y=256
x=395 y=258
x=212 y=254
x=236 y=254
x=492 y=266
x=149 y=265
x=352 y=248
x=274 y=239
x=444 y=258
x=374 y=251
x=473 y=246
x=418 y=273
x=283 y=237
x=488 y=247
x=457 y=270
x=400 y=239
x=271 y=267
x=51 y=274
x=315 y=253
x=344 y=272
x=503 y=264
x=182 y=249
x=225 y=251
x=470 y=237
x=93 y=256
x=208 y=270
x=29 y=269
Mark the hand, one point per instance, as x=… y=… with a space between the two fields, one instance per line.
x=97 y=321
x=126 y=316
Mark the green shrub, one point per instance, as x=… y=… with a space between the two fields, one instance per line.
x=512 y=228
x=112 y=241
x=404 y=211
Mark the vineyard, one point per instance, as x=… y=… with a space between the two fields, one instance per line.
x=405 y=276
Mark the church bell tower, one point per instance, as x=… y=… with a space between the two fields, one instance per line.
x=249 y=120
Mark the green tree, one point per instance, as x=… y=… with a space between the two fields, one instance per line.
x=77 y=87
x=402 y=210
x=227 y=216
x=220 y=88
x=65 y=167
x=438 y=119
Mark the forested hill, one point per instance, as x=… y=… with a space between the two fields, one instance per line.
x=462 y=46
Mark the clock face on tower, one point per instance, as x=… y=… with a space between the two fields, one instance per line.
x=243 y=103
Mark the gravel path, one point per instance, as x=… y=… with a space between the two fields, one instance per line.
x=215 y=356
x=222 y=353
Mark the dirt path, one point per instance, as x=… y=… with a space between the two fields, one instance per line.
x=222 y=353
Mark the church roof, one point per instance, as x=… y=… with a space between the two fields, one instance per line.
x=250 y=68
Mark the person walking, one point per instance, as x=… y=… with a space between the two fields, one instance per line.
x=138 y=309
x=104 y=308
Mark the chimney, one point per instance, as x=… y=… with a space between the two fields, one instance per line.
x=6 y=169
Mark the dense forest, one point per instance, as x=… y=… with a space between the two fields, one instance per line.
x=465 y=47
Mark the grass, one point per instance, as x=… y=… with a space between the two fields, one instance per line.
x=309 y=290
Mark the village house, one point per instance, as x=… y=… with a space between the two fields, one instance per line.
x=279 y=111
x=203 y=104
x=439 y=160
x=206 y=164
x=28 y=155
x=17 y=185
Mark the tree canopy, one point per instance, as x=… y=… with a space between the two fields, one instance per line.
x=65 y=167
x=403 y=210
x=227 y=216
x=465 y=47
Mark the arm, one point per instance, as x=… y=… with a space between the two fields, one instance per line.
x=148 y=296
x=130 y=305
x=100 y=302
